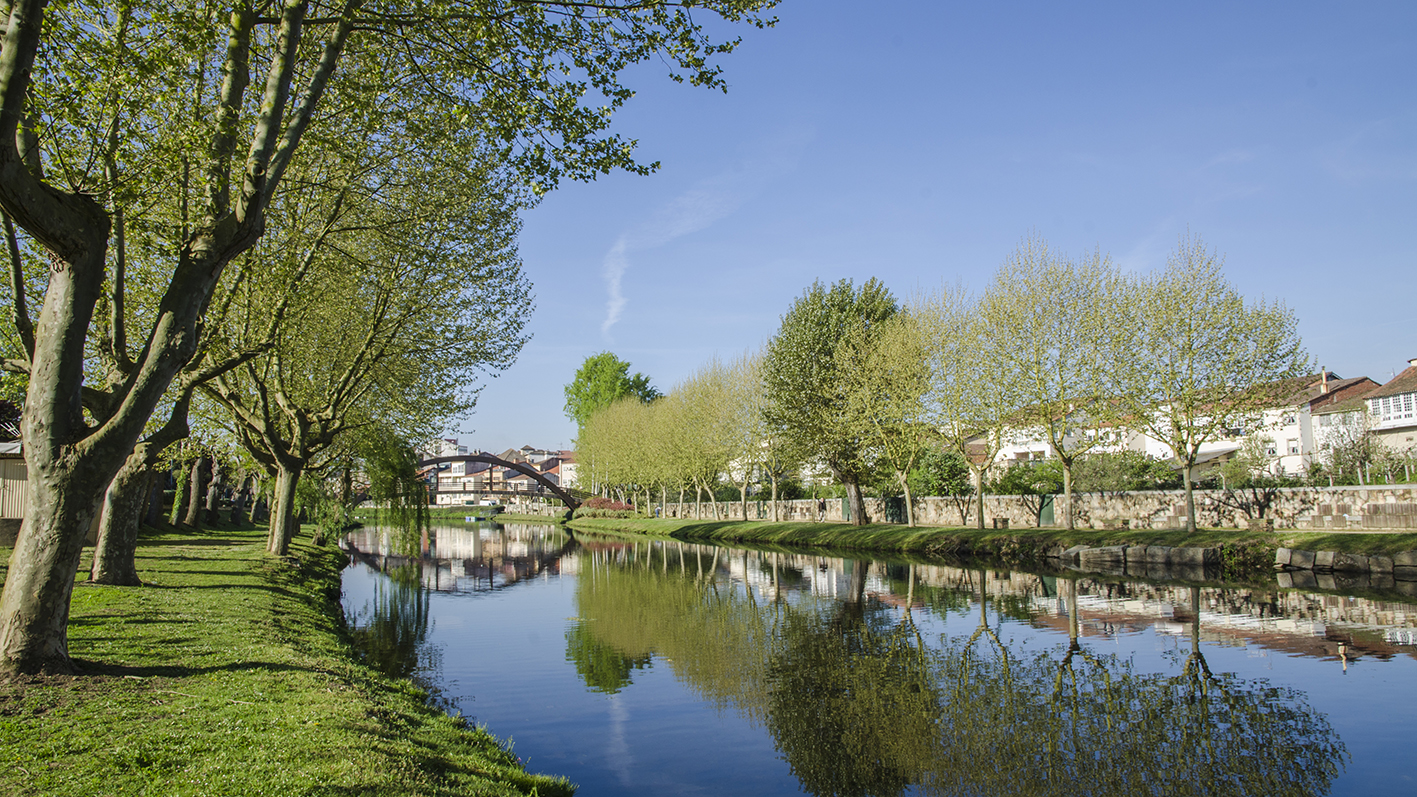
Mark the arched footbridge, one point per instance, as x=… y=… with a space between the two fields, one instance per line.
x=571 y=501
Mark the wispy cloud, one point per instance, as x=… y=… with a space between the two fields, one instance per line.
x=696 y=209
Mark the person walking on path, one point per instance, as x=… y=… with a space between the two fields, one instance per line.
x=821 y=509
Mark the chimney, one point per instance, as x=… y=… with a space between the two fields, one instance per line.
x=1412 y=362
x=1323 y=380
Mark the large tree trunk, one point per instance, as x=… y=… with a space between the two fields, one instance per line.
x=34 y=608
x=979 y=493
x=856 y=504
x=123 y=504
x=909 y=500
x=214 y=496
x=283 y=522
x=1068 y=494
x=157 y=485
x=774 y=498
x=196 y=488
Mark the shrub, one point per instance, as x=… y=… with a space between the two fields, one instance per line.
x=601 y=502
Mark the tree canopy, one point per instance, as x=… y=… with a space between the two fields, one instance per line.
x=602 y=380
x=803 y=377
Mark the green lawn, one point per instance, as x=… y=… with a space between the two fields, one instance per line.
x=230 y=674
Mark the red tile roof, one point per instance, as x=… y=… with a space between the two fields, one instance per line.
x=1405 y=382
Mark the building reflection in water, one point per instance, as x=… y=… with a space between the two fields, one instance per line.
x=828 y=654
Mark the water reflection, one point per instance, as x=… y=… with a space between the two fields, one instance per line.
x=389 y=630
x=890 y=678
x=480 y=557
x=860 y=702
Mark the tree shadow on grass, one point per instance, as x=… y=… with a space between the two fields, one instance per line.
x=92 y=668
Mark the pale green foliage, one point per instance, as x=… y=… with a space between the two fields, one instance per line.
x=709 y=426
x=885 y=379
x=705 y=419
x=1056 y=314
x=392 y=320
x=1195 y=359
x=971 y=400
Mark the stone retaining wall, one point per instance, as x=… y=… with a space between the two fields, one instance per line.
x=1385 y=507
x=1312 y=568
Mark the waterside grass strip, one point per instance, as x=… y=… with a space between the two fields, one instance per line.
x=1004 y=544
x=230 y=673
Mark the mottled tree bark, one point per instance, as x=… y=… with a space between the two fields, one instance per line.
x=283 y=523
x=214 y=496
x=196 y=489
x=113 y=556
x=856 y=504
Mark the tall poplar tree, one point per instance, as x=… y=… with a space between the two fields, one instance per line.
x=805 y=386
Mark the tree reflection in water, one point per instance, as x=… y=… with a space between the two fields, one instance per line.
x=860 y=703
x=388 y=632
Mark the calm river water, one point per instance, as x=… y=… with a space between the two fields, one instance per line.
x=668 y=668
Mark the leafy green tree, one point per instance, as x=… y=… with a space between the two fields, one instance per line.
x=883 y=367
x=602 y=380
x=1195 y=359
x=805 y=386
x=204 y=111
x=1123 y=471
x=1033 y=483
x=392 y=332
x=1055 y=314
x=972 y=399
x=945 y=473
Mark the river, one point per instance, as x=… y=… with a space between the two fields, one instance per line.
x=656 y=667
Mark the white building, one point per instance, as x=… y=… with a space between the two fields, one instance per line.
x=1288 y=427
x=1392 y=411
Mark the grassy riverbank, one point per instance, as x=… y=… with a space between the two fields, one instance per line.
x=230 y=674
x=1005 y=544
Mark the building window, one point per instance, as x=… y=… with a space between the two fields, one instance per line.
x=1293 y=446
x=1395 y=408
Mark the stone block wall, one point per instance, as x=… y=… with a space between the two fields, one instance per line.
x=1383 y=507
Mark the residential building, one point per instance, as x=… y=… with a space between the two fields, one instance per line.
x=1392 y=411
x=1288 y=427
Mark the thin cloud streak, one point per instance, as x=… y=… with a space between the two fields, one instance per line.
x=694 y=210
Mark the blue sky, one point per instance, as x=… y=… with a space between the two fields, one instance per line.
x=919 y=141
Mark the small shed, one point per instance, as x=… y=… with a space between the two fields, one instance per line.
x=14 y=495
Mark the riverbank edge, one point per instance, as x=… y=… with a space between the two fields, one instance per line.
x=390 y=739
x=1242 y=553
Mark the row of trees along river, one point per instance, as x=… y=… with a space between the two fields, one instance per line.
x=858 y=382
x=281 y=227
